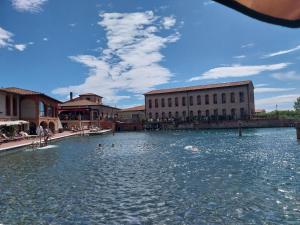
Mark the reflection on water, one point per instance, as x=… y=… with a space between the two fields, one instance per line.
x=176 y=177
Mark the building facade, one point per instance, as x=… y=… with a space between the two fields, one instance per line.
x=34 y=107
x=85 y=111
x=133 y=114
x=224 y=101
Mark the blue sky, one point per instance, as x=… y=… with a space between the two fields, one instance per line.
x=121 y=49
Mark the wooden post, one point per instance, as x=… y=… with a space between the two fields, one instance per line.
x=298 y=130
x=240 y=129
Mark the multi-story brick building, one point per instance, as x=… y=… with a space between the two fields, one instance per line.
x=234 y=100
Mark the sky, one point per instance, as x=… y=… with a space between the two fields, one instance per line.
x=122 y=49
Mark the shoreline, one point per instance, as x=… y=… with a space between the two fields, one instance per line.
x=15 y=145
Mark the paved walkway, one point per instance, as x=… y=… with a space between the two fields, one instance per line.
x=22 y=143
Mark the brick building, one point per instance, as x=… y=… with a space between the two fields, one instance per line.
x=34 y=107
x=223 y=101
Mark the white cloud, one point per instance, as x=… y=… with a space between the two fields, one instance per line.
x=282 y=52
x=291 y=75
x=208 y=3
x=277 y=100
x=261 y=85
x=169 y=22
x=20 y=47
x=45 y=39
x=238 y=71
x=130 y=63
x=272 y=90
x=239 y=57
x=5 y=38
x=28 y=5
x=6 y=41
x=249 y=45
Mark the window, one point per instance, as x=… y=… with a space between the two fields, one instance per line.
x=42 y=109
x=15 y=106
x=224 y=112
x=232 y=97
x=183 y=101
x=163 y=102
x=163 y=115
x=215 y=99
x=199 y=113
x=170 y=115
x=233 y=113
x=191 y=100
x=176 y=101
x=169 y=102
x=7 y=105
x=150 y=115
x=184 y=114
x=176 y=114
x=156 y=103
x=206 y=99
x=223 y=98
x=207 y=113
x=215 y=112
x=50 y=111
x=156 y=116
x=191 y=114
x=242 y=97
x=150 y=103
x=242 y=112
x=198 y=100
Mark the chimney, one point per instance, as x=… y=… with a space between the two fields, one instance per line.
x=71 y=95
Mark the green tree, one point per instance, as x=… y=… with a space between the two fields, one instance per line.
x=297 y=104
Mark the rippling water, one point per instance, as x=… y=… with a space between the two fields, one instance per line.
x=176 y=177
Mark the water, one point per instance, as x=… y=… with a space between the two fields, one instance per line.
x=176 y=177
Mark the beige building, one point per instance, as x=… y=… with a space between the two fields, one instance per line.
x=133 y=114
x=85 y=111
x=223 y=101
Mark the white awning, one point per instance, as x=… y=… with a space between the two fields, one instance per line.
x=13 y=123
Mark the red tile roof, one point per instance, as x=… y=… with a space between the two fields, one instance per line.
x=136 y=108
x=90 y=94
x=20 y=91
x=79 y=102
x=199 y=87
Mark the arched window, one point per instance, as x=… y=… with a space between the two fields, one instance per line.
x=156 y=116
x=42 y=108
x=207 y=113
x=150 y=115
x=170 y=115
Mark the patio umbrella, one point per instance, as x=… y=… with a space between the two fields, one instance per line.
x=281 y=12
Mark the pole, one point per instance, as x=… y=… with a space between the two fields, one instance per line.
x=298 y=130
x=240 y=129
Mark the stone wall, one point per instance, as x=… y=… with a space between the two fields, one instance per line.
x=228 y=124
